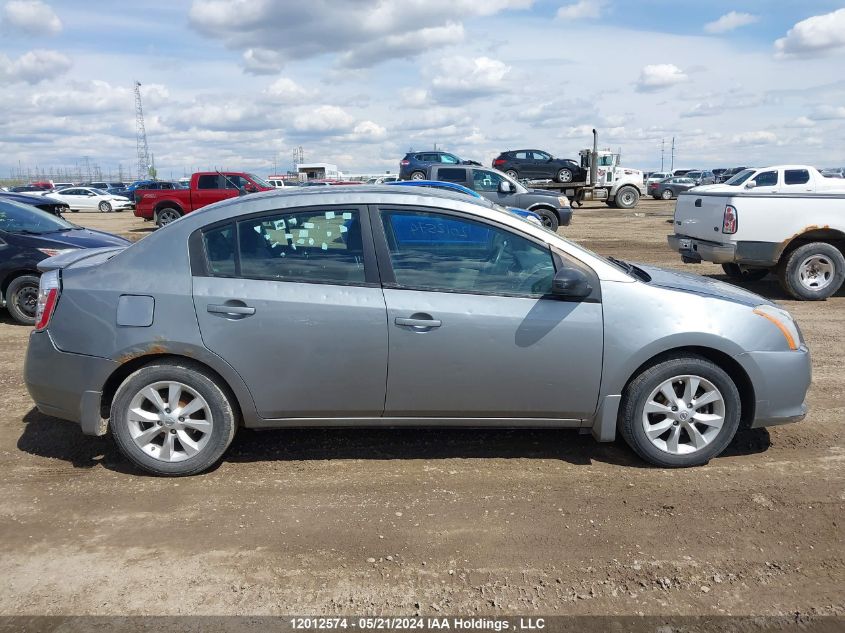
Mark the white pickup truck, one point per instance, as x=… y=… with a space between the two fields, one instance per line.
x=800 y=237
x=778 y=179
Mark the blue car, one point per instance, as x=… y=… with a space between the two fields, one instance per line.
x=415 y=164
x=529 y=216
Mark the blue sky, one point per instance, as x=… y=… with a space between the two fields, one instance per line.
x=239 y=84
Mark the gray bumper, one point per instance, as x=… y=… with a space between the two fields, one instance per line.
x=694 y=251
x=781 y=381
x=64 y=385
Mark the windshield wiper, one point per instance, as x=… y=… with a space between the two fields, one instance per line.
x=27 y=232
x=628 y=268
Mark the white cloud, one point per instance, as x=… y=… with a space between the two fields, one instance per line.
x=31 y=16
x=463 y=78
x=260 y=61
x=659 y=77
x=703 y=109
x=761 y=137
x=814 y=36
x=368 y=131
x=33 y=66
x=325 y=119
x=828 y=113
x=285 y=91
x=583 y=9
x=802 y=122
x=414 y=97
x=731 y=21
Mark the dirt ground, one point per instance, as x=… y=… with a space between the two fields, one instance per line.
x=449 y=521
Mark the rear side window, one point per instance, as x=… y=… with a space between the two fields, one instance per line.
x=207 y=181
x=220 y=250
x=520 y=155
x=452 y=174
x=796 y=176
x=766 y=179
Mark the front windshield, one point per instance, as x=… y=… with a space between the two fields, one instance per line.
x=740 y=178
x=21 y=218
x=260 y=181
x=100 y=192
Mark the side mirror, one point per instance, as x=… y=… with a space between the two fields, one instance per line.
x=571 y=283
x=250 y=188
x=505 y=187
x=751 y=184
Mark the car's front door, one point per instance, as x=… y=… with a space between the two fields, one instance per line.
x=76 y=198
x=540 y=165
x=474 y=332
x=291 y=300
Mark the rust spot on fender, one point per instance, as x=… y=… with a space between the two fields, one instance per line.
x=156 y=348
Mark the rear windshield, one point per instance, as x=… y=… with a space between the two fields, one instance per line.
x=740 y=178
x=23 y=219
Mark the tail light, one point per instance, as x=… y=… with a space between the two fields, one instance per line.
x=48 y=296
x=499 y=161
x=730 y=220
x=405 y=162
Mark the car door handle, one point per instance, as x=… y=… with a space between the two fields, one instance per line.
x=240 y=310
x=420 y=323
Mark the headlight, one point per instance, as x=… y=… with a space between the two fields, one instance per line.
x=563 y=201
x=52 y=252
x=783 y=321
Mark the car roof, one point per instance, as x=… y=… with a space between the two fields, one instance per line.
x=436 y=184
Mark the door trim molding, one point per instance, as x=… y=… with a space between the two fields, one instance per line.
x=364 y=422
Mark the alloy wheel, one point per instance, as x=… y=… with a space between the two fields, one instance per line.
x=816 y=272
x=169 y=421
x=683 y=414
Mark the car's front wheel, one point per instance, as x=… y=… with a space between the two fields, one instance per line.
x=22 y=299
x=680 y=412
x=549 y=218
x=172 y=418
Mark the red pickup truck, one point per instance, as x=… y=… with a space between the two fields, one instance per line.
x=165 y=205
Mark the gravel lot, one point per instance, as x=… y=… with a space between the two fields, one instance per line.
x=450 y=521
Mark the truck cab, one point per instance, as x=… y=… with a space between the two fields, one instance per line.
x=618 y=186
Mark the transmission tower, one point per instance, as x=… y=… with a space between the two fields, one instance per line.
x=141 y=136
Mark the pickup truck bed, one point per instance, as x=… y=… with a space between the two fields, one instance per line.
x=800 y=237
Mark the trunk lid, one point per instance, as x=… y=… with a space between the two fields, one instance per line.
x=79 y=258
x=701 y=216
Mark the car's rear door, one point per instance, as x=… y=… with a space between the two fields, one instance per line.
x=291 y=300
x=473 y=330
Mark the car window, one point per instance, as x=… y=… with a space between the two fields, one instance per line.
x=450 y=159
x=520 y=155
x=430 y=158
x=207 y=181
x=22 y=218
x=317 y=246
x=766 y=179
x=740 y=177
x=220 y=250
x=796 y=176
x=235 y=182
x=483 y=180
x=452 y=174
x=541 y=156
x=434 y=251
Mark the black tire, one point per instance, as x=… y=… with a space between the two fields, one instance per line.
x=789 y=271
x=195 y=377
x=549 y=218
x=513 y=174
x=22 y=299
x=743 y=273
x=667 y=194
x=627 y=198
x=638 y=391
x=564 y=175
x=167 y=215
x=104 y=207
x=417 y=175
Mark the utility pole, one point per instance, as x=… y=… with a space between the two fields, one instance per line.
x=672 y=168
x=662 y=152
x=141 y=136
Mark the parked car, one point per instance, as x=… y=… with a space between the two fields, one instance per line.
x=730 y=173
x=529 y=216
x=151 y=184
x=28 y=236
x=681 y=172
x=381 y=180
x=537 y=164
x=798 y=237
x=26 y=189
x=415 y=164
x=398 y=308
x=670 y=188
x=553 y=208
x=118 y=191
x=701 y=177
x=90 y=199
x=836 y=172
x=779 y=179
x=656 y=176
x=163 y=206
x=62 y=185
x=45 y=203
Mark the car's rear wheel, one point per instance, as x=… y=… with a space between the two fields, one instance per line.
x=166 y=216
x=744 y=273
x=812 y=272
x=513 y=174
x=172 y=418
x=417 y=175
x=667 y=194
x=564 y=175
x=22 y=299
x=105 y=207
x=548 y=217
x=680 y=412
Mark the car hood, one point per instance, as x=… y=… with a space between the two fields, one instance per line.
x=696 y=284
x=82 y=238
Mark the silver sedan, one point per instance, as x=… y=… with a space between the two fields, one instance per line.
x=391 y=306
